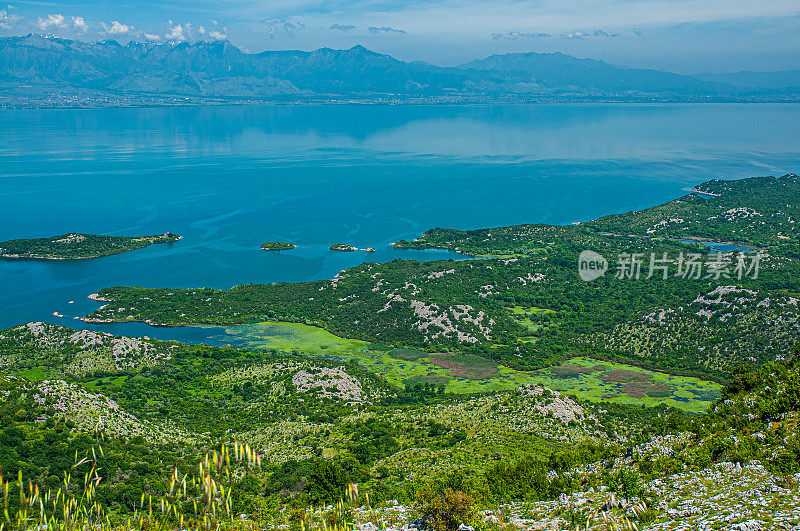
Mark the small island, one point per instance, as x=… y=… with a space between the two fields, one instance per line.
x=75 y=246
x=278 y=246
x=343 y=247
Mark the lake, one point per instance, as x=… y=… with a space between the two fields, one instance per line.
x=229 y=178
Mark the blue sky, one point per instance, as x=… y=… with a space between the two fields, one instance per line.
x=687 y=36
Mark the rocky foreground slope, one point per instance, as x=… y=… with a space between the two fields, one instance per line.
x=314 y=431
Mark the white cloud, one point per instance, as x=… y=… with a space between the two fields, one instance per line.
x=213 y=34
x=281 y=25
x=516 y=35
x=449 y=31
x=80 y=24
x=593 y=34
x=116 y=28
x=479 y=17
x=50 y=21
x=384 y=29
x=152 y=37
x=7 y=20
x=178 y=32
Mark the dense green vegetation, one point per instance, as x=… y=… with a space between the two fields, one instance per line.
x=75 y=246
x=299 y=413
x=756 y=418
x=488 y=391
x=761 y=212
x=449 y=456
x=525 y=304
x=463 y=373
x=44 y=450
x=346 y=247
x=278 y=246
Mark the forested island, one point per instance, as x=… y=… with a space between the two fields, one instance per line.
x=75 y=246
x=278 y=246
x=526 y=396
x=524 y=304
x=344 y=247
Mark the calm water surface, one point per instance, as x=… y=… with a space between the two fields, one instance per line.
x=229 y=178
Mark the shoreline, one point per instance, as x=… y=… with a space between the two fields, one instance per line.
x=21 y=104
x=45 y=258
x=697 y=190
x=595 y=355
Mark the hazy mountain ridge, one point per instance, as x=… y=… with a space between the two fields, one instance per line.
x=559 y=70
x=35 y=64
x=779 y=80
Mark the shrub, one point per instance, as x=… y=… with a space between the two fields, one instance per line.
x=447 y=509
x=626 y=482
x=525 y=480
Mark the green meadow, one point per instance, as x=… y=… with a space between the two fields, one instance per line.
x=583 y=377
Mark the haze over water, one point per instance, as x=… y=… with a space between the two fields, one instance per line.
x=229 y=178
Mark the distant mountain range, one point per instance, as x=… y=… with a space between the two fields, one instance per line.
x=48 y=70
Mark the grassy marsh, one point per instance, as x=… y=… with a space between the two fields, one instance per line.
x=583 y=377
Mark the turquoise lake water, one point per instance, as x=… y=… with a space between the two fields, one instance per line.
x=229 y=178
